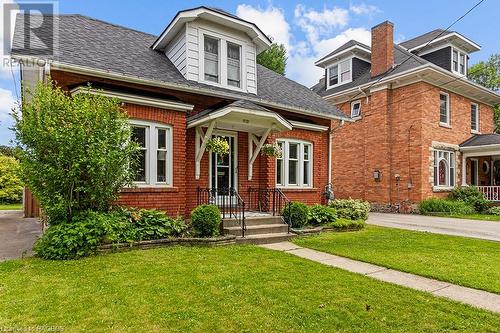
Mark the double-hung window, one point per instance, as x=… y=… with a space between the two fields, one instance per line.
x=459 y=62
x=474 y=117
x=211 y=59
x=294 y=167
x=355 y=109
x=339 y=73
x=444 y=168
x=444 y=108
x=155 y=156
x=233 y=65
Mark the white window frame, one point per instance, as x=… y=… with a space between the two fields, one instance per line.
x=352 y=109
x=460 y=61
x=151 y=153
x=450 y=169
x=448 y=121
x=475 y=160
x=300 y=164
x=240 y=47
x=475 y=130
x=219 y=58
x=340 y=82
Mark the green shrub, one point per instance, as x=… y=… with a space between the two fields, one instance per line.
x=494 y=210
x=470 y=195
x=438 y=205
x=351 y=208
x=206 y=220
x=348 y=224
x=154 y=224
x=320 y=215
x=11 y=187
x=297 y=213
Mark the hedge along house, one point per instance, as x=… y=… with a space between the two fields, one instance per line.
x=198 y=80
x=420 y=126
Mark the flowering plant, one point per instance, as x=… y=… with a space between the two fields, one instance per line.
x=272 y=149
x=218 y=145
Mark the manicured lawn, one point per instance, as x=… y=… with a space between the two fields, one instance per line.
x=483 y=217
x=465 y=261
x=227 y=289
x=11 y=206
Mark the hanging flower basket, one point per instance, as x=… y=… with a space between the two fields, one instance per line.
x=272 y=149
x=218 y=145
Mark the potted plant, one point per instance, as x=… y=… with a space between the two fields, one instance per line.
x=218 y=145
x=272 y=149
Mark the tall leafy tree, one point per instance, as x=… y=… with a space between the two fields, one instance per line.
x=274 y=58
x=487 y=74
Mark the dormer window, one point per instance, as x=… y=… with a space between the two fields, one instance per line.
x=459 y=62
x=339 y=73
x=233 y=65
x=211 y=59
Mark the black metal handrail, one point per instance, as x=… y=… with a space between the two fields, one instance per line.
x=230 y=203
x=269 y=200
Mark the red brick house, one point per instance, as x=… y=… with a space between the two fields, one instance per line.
x=420 y=126
x=197 y=80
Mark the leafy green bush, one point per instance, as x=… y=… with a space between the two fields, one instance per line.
x=494 y=210
x=470 y=195
x=438 y=205
x=11 y=187
x=348 y=224
x=76 y=152
x=206 y=220
x=154 y=224
x=351 y=208
x=297 y=213
x=320 y=215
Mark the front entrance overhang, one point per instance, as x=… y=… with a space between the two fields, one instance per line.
x=478 y=146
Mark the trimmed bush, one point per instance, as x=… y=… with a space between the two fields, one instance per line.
x=438 y=205
x=470 y=195
x=351 y=208
x=494 y=210
x=206 y=220
x=320 y=215
x=344 y=224
x=298 y=213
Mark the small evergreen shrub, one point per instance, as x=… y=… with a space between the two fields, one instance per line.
x=470 y=195
x=438 y=205
x=321 y=215
x=494 y=210
x=351 y=208
x=297 y=213
x=344 y=224
x=206 y=220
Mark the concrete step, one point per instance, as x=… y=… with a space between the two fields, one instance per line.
x=254 y=220
x=258 y=229
x=264 y=238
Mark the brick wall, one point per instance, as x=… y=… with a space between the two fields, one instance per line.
x=382 y=49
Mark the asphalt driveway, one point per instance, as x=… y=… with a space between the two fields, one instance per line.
x=17 y=234
x=438 y=225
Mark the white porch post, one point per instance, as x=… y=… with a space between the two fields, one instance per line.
x=464 y=169
x=200 y=145
x=252 y=154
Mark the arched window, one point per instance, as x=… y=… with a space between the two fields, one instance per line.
x=444 y=168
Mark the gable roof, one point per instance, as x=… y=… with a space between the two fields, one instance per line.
x=422 y=39
x=104 y=48
x=440 y=36
x=482 y=140
x=350 y=44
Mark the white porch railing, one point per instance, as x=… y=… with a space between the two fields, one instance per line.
x=491 y=193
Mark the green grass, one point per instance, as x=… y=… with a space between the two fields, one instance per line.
x=226 y=289
x=11 y=206
x=465 y=261
x=482 y=217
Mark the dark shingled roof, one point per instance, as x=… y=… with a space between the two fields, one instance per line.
x=423 y=39
x=482 y=140
x=91 y=43
x=239 y=103
x=347 y=45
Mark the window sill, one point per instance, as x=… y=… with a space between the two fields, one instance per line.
x=442 y=188
x=445 y=125
x=356 y=118
x=149 y=188
x=298 y=189
x=475 y=132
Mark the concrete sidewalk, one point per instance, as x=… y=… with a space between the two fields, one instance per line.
x=478 y=298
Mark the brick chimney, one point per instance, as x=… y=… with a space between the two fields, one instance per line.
x=382 y=48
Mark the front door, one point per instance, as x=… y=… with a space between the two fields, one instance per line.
x=223 y=174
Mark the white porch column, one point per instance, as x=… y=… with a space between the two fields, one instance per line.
x=464 y=169
x=252 y=154
x=200 y=145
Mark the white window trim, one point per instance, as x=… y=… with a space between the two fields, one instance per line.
x=477 y=171
x=478 y=129
x=448 y=173
x=448 y=123
x=152 y=147
x=352 y=109
x=240 y=47
x=328 y=86
x=223 y=40
x=285 y=160
x=459 y=62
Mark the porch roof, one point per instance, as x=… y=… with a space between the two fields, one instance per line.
x=241 y=115
x=490 y=141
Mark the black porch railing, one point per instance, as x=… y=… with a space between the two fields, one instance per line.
x=230 y=203
x=270 y=200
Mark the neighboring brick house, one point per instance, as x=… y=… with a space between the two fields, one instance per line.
x=198 y=79
x=415 y=112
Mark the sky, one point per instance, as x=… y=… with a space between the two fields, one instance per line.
x=308 y=29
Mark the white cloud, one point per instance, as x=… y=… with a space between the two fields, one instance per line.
x=364 y=9
x=318 y=23
x=326 y=46
x=7 y=102
x=270 y=20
